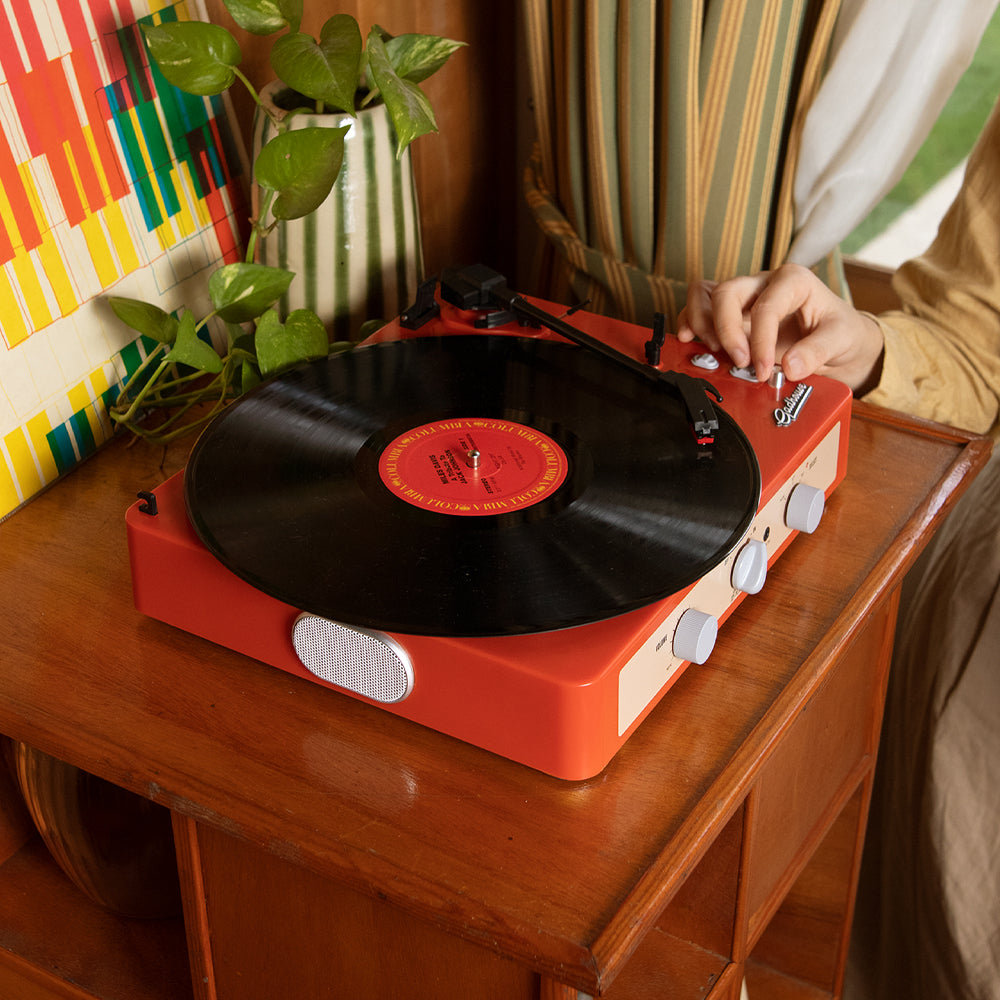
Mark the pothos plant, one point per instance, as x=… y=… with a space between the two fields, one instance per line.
x=294 y=173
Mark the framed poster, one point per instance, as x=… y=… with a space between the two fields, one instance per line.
x=111 y=182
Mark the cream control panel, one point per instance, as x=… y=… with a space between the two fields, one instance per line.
x=797 y=506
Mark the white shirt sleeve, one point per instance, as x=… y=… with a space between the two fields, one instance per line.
x=892 y=68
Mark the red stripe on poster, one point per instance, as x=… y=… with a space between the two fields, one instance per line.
x=11 y=63
x=97 y=113
x=91 y=77
x=27 y=234
x=222 y=224
x=26 y=19
x=49 y=103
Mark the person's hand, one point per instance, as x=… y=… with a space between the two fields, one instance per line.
x=787 y=316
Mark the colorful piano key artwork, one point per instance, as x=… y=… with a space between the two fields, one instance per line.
x=111 y=182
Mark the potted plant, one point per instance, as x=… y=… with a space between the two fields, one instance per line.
x=294 y=172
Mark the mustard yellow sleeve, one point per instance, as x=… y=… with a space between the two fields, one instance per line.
x=942 y=349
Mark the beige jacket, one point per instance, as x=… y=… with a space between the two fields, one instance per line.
x=942 y=350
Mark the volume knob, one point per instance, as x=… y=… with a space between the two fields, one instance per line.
x=805 y=508
x=750 y=567
x=695 y=635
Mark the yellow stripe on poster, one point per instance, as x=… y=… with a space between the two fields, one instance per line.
x=99 y=385
x=31 y=192
x=77 y=182
x=165 y=232
x=15 y=330
x=95 y=157
x=39 y=428
x=23 y=462
x=9 y=220
x=204 y=217
x=54 y=268
x=81 y=400
x=9 y=497
x=79 y=397
x=121 y=238
x=155 y=6
x=100 y=252
x=32 y=291
x=184 y=219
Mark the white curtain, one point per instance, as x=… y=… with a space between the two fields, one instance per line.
x=893 y=65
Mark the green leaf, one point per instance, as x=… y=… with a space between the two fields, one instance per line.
x=341 y=45
x=146 y=318
x=243 y=358
x=301 y=166
x=243 y=349
x=369 y=327
x=264 y=17
x=301 y=337
x=197 y=57
x=241 y=292
x=249 y=376
x=416 y=57
x=326 y=70
x=307 y=330
x=408 y=108
x=189 y=349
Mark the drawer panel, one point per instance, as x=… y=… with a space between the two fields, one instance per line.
x=802 y=786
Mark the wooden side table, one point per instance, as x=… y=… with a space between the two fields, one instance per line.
x=329 y=849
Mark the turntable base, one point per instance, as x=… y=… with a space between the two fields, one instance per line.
x=545 y=632
x=319 y=837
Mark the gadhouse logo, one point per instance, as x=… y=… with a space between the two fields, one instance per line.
x=794 y=401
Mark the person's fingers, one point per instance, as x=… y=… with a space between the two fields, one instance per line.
x=746 y=333
x=814 y=353
x=789 y=316
x=791 y=305
x=847 y=346
x=695 y=320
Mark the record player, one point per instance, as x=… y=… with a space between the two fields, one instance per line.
x=511 y=524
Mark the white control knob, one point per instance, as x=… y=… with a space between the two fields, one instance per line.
x=707 y=361
x=805 y=508
x=694 y=637
x=750 y=567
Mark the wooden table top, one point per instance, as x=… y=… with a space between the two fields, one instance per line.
x=563 y=876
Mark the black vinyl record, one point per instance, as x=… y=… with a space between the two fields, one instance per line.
x=467 y=486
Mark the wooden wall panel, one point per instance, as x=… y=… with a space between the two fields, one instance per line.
x=468 y=175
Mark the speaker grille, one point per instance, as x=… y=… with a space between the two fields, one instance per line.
x=367 y=663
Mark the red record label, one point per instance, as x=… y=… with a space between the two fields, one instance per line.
x=473 y=466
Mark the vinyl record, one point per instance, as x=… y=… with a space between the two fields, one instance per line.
x=468 y=485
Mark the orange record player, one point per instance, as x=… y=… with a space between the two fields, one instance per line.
x=514 y=527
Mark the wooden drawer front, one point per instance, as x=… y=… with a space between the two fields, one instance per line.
x=826 y=751
x=277 y=930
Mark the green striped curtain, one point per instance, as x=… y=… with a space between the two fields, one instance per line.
x=667 y=133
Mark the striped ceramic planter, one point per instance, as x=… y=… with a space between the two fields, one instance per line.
x=359 y=255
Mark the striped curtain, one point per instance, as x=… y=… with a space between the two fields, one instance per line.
x=667 y=133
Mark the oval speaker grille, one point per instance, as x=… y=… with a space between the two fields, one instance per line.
x=364 y=662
